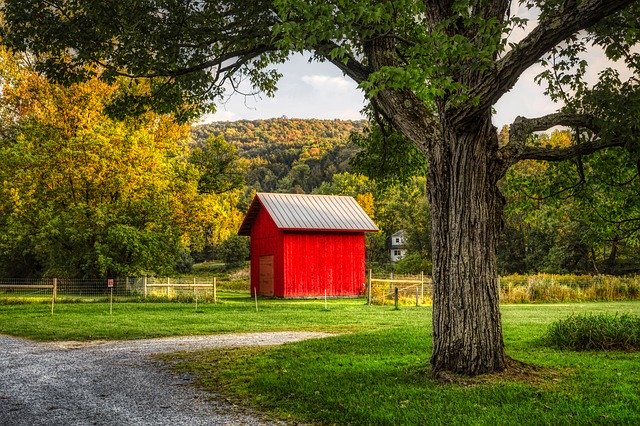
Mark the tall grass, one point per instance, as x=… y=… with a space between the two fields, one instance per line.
x=596 y=332
x=540 y=288
x=549 y=288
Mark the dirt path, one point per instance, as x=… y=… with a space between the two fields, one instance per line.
x=116 y=383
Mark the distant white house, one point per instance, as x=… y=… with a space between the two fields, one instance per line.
x=397 y=245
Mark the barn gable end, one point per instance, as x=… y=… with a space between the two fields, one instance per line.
x=304 y=245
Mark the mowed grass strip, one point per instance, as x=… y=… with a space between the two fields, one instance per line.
x=236 y=313
x=376 y=370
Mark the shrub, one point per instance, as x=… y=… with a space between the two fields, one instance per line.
x=413 y=263
x=234 y=250
x=596 y=332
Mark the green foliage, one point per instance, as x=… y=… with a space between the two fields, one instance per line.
x=386 y=156
x=234 y=250
x=167 y=42
x=413 y=263
x=287 y=155
x=83 y=195
x=596 y=332
x=221 y=168
x=577 y=216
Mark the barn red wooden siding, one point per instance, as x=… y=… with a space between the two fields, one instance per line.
x=319 y=261
x=306 y=262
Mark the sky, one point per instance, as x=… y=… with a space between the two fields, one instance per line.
x=320 y=90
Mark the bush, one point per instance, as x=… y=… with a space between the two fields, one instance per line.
x=596 y=332
x=413 y=263
x=234 y=250
x=184 y=263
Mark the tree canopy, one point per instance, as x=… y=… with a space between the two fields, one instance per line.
x=86 y=195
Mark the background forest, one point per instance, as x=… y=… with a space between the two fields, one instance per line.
x=86 y=194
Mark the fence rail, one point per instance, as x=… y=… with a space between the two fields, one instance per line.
x=409 y=287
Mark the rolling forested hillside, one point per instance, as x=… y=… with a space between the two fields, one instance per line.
x=288 y=155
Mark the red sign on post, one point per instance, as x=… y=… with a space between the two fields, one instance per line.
x=110 y=283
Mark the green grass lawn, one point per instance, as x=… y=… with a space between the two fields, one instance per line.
x=376 y=370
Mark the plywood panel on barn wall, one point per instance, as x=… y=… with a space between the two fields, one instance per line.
x=315 y=262
x=266 y=275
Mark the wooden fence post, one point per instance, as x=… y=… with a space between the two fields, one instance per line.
x=168 y=286
x=422 y=285
x=54 y=291
x=144 y=282
x=215 y=291
x=395 y=296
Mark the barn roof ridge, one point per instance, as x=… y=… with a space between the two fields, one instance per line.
x=309 y=212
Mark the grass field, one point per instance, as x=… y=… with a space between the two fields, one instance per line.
x=373 y=372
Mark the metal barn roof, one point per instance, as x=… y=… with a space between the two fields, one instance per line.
x=313 y=212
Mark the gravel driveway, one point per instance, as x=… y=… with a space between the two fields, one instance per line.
x=116 y=383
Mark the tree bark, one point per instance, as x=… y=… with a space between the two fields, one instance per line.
x=466 y=209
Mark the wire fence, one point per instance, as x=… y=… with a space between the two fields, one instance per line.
x=62 y=289
x=411 y=289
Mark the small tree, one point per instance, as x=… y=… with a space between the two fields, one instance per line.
x=234 y=250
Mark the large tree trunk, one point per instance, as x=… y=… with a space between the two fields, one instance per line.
x=466 y=209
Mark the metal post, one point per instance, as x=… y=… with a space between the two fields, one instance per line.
x=369 y=289
x=111 y=302
x=55 y=289
x=53 y=294
x=325 y=299
x=422 y=285
x=255 y=292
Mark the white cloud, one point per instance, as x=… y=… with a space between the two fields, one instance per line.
x=219 y=115
x=325 y=82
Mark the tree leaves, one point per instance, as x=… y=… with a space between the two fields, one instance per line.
x=85 y=195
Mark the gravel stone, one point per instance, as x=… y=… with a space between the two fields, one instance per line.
x=117 y=382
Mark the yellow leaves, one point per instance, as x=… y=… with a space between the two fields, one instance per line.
x=557 y=139
x=366 y=201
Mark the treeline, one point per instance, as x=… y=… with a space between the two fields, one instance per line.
x=578 y=217
x=84 y=194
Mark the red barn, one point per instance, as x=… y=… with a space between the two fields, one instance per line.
x=304 y=245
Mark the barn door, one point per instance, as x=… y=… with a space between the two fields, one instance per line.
x=266 y=275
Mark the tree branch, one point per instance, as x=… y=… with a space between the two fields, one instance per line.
x=522 y=127
x=517 y=150
x=570 y=19
x=351 y=67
